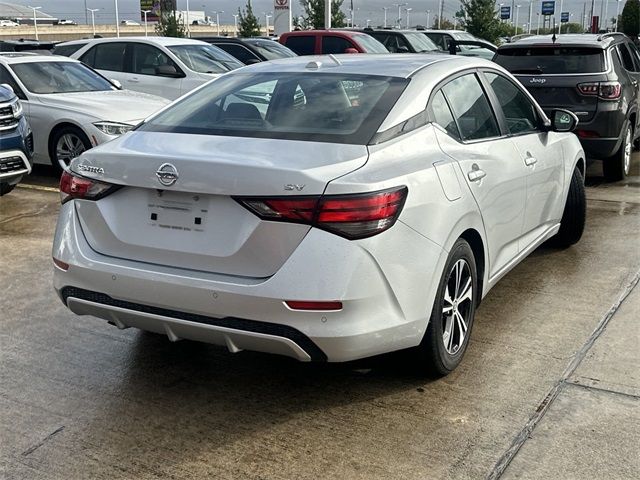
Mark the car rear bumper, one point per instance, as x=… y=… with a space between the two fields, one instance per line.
x=386 y=303
x=600 y=148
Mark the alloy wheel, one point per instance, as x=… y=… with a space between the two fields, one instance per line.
x=457 y=307
x=69 y=146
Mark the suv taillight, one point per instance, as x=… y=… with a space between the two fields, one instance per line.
x=73 y=186
x=603 y=90
x=350 y=216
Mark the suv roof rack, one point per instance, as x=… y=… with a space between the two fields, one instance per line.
x=609 y=34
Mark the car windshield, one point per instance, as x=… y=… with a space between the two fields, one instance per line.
x=205 y=58
x=551 y=60
x=271 y=50
x=420 y=42
x=370 y=44
x=322 y=107
x=59 y=77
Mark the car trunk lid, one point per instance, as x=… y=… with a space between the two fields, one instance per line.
x=195 y=223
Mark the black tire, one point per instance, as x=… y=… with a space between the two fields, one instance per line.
x=574 y=215
x=437 y=358
x=72 y=131
x=616 y=168
x=5 y=188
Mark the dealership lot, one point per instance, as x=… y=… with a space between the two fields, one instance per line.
x=554 y=350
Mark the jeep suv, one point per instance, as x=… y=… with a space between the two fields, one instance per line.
x=594 y=76
x=16 y=141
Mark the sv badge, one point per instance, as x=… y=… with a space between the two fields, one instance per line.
x=293 y=186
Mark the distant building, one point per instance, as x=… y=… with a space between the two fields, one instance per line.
x=24 y=15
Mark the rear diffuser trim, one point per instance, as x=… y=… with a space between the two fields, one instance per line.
x=240 y=324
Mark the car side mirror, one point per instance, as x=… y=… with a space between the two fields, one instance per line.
x=7 y=86
x=116 y=83
x=168 y=71
x=351 y=50
x=252 y=61
x=563 y=120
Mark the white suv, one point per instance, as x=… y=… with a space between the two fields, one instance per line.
x=167 y=67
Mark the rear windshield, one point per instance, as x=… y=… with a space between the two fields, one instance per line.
x=310 y=106
x=370 y=44
x=551 y=60
x=420 y=42
x=270 y=49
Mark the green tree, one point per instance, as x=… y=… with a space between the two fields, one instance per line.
x=248 y=25
x=629 y=20
x=170 y=25
x=314 y=14
x=481 y=19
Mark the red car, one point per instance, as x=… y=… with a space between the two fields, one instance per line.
x=323 y=42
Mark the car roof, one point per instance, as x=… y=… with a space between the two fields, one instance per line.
x=573 y=39
x=388 y=65
x=153 y=40
x=334 y=31
x=11 y=58
x=388 y=30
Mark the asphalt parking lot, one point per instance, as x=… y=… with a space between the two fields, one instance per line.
x=549 y=387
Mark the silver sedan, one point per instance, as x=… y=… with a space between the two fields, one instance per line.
x=325 y=208
x=69 y=106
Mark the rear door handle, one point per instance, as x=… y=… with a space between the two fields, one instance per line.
x=530 y=161
x=476 y=174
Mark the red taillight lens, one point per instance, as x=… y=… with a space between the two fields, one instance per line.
x=350 y=216
x=318 y=306
x=72 y=186
x=604 y=90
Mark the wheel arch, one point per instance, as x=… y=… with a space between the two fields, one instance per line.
x=474 y=239
x=59 y=126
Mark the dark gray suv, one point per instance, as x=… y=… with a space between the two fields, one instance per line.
x=594 y=76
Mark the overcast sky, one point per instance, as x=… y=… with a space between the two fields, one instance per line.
x=366 y=9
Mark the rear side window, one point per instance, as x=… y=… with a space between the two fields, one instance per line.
x=238 y=51
x=302 y=45
x=518 y=110
x=67 y=50
x=442 y=115
x=106 y=56
x=147 y=59
x=333 y=44
x=471 y=108
x=551 y=60
x=625 y=56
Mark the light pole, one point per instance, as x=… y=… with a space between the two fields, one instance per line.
x=266 y=21
x=385 y=16
x=617 y=13
x=188 y=22
x=368 y=22
x=530 y=10
x=560 y=27
x=327 y=14
x=440 y=13
x=86 y=19
x=235 y=24
x=606 y=14
x=408 y=10
x=115 y=2
x=35 y=19
x=428 y=15
x=145 y=21
x=218 y=21
x=93 y=19
x=538 y=31
x=517 y=14
x=399 y=5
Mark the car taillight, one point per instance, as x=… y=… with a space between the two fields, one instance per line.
x=350 y=216
x=73 y=186
x=603 y=90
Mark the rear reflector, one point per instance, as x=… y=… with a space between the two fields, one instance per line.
x=60 y=264
x=318 y=306
x=74 y=186
x=350 y=216
x=587 y=134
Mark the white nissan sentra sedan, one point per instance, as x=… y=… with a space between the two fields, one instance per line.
x=325 y=208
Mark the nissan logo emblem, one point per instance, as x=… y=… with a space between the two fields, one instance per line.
x=167 y=174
